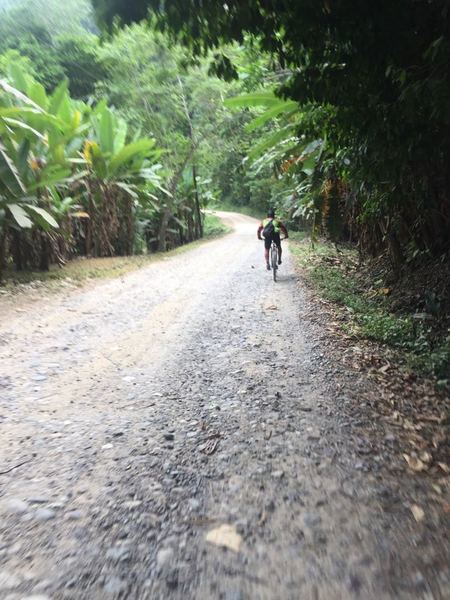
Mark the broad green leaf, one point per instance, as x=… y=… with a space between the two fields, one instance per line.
x=57 y=97
x=95 y=159
x=140 y=148
x=271 y=113
x=120 y=135
x=284 y=134
x=20 y=80
x=65 y=111
x=37 y=93
x=58 y=153
x=129 y=189
x=52 y=176
x=18 y=95
x=44 y=214
x=23 y=153
x=22 y=125
x=309 y=165
x=9 y=175
x=18 y=111
x=106 y=131
x=20 y=216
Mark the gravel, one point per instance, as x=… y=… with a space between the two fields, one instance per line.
x=190 y=395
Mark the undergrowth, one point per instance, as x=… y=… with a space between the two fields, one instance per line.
x=335 y=275
x=83 y=269
x=213 y=226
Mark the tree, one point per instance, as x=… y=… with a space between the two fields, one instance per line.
x=378 y=83
x=181 y=106
x=79 y=58
x=45 y=179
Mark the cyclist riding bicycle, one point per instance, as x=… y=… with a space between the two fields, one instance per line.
x=270 y=229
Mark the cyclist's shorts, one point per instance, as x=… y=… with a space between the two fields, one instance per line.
x=268 y=241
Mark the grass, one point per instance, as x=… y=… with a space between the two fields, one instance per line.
x=82 y=269
x=214 y=227
x=335 y=276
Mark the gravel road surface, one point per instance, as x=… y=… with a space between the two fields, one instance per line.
x=181 y=432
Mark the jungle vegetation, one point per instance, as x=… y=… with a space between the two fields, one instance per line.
x=121 y=121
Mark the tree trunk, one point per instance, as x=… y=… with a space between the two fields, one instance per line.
x=199 y=224
x=2 y=252
x=162 y=234
x=17 y=251
x=44 y=263
x=89 y=225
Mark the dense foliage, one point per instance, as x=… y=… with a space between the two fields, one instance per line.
x=69 y=179
x=75 y=102
x=373 y=84
x=146 y=87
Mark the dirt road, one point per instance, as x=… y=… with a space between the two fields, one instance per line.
x=138 y=415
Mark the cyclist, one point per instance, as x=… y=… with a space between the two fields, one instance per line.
x=270 y=229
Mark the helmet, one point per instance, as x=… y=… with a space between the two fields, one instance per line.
x=271 y=213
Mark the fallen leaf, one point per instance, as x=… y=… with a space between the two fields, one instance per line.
x=425 y=457
x=414 y=463
x=417 y=512
x=444 y=467
x=225 y=536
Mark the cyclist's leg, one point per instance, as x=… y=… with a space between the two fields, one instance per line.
x=278 y=243
x=267 y=243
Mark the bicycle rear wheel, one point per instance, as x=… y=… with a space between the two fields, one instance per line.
x=274 y=261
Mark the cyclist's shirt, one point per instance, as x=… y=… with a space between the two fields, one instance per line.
x=277 y=226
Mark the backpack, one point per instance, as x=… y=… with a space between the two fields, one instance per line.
x=269 y=230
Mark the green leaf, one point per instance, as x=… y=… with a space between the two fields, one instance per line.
x=38 y=94
x=57 y=97
x=120 y=135
x=18 y=95
x=9 y=175
x=22 y=155
x=282 y=135
x=129 y=152
x=20 y=216
x=309 y=165
x=46 y=216
x=22 y=125
x=52 y=176
x=18 y=111
x=129 y=189
x=18 y=77
x=271 y=113
x=106 y=131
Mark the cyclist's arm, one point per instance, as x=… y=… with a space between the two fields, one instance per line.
x=284 y=231
x=260 y=228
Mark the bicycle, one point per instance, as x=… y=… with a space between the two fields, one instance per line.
x=274 y=258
